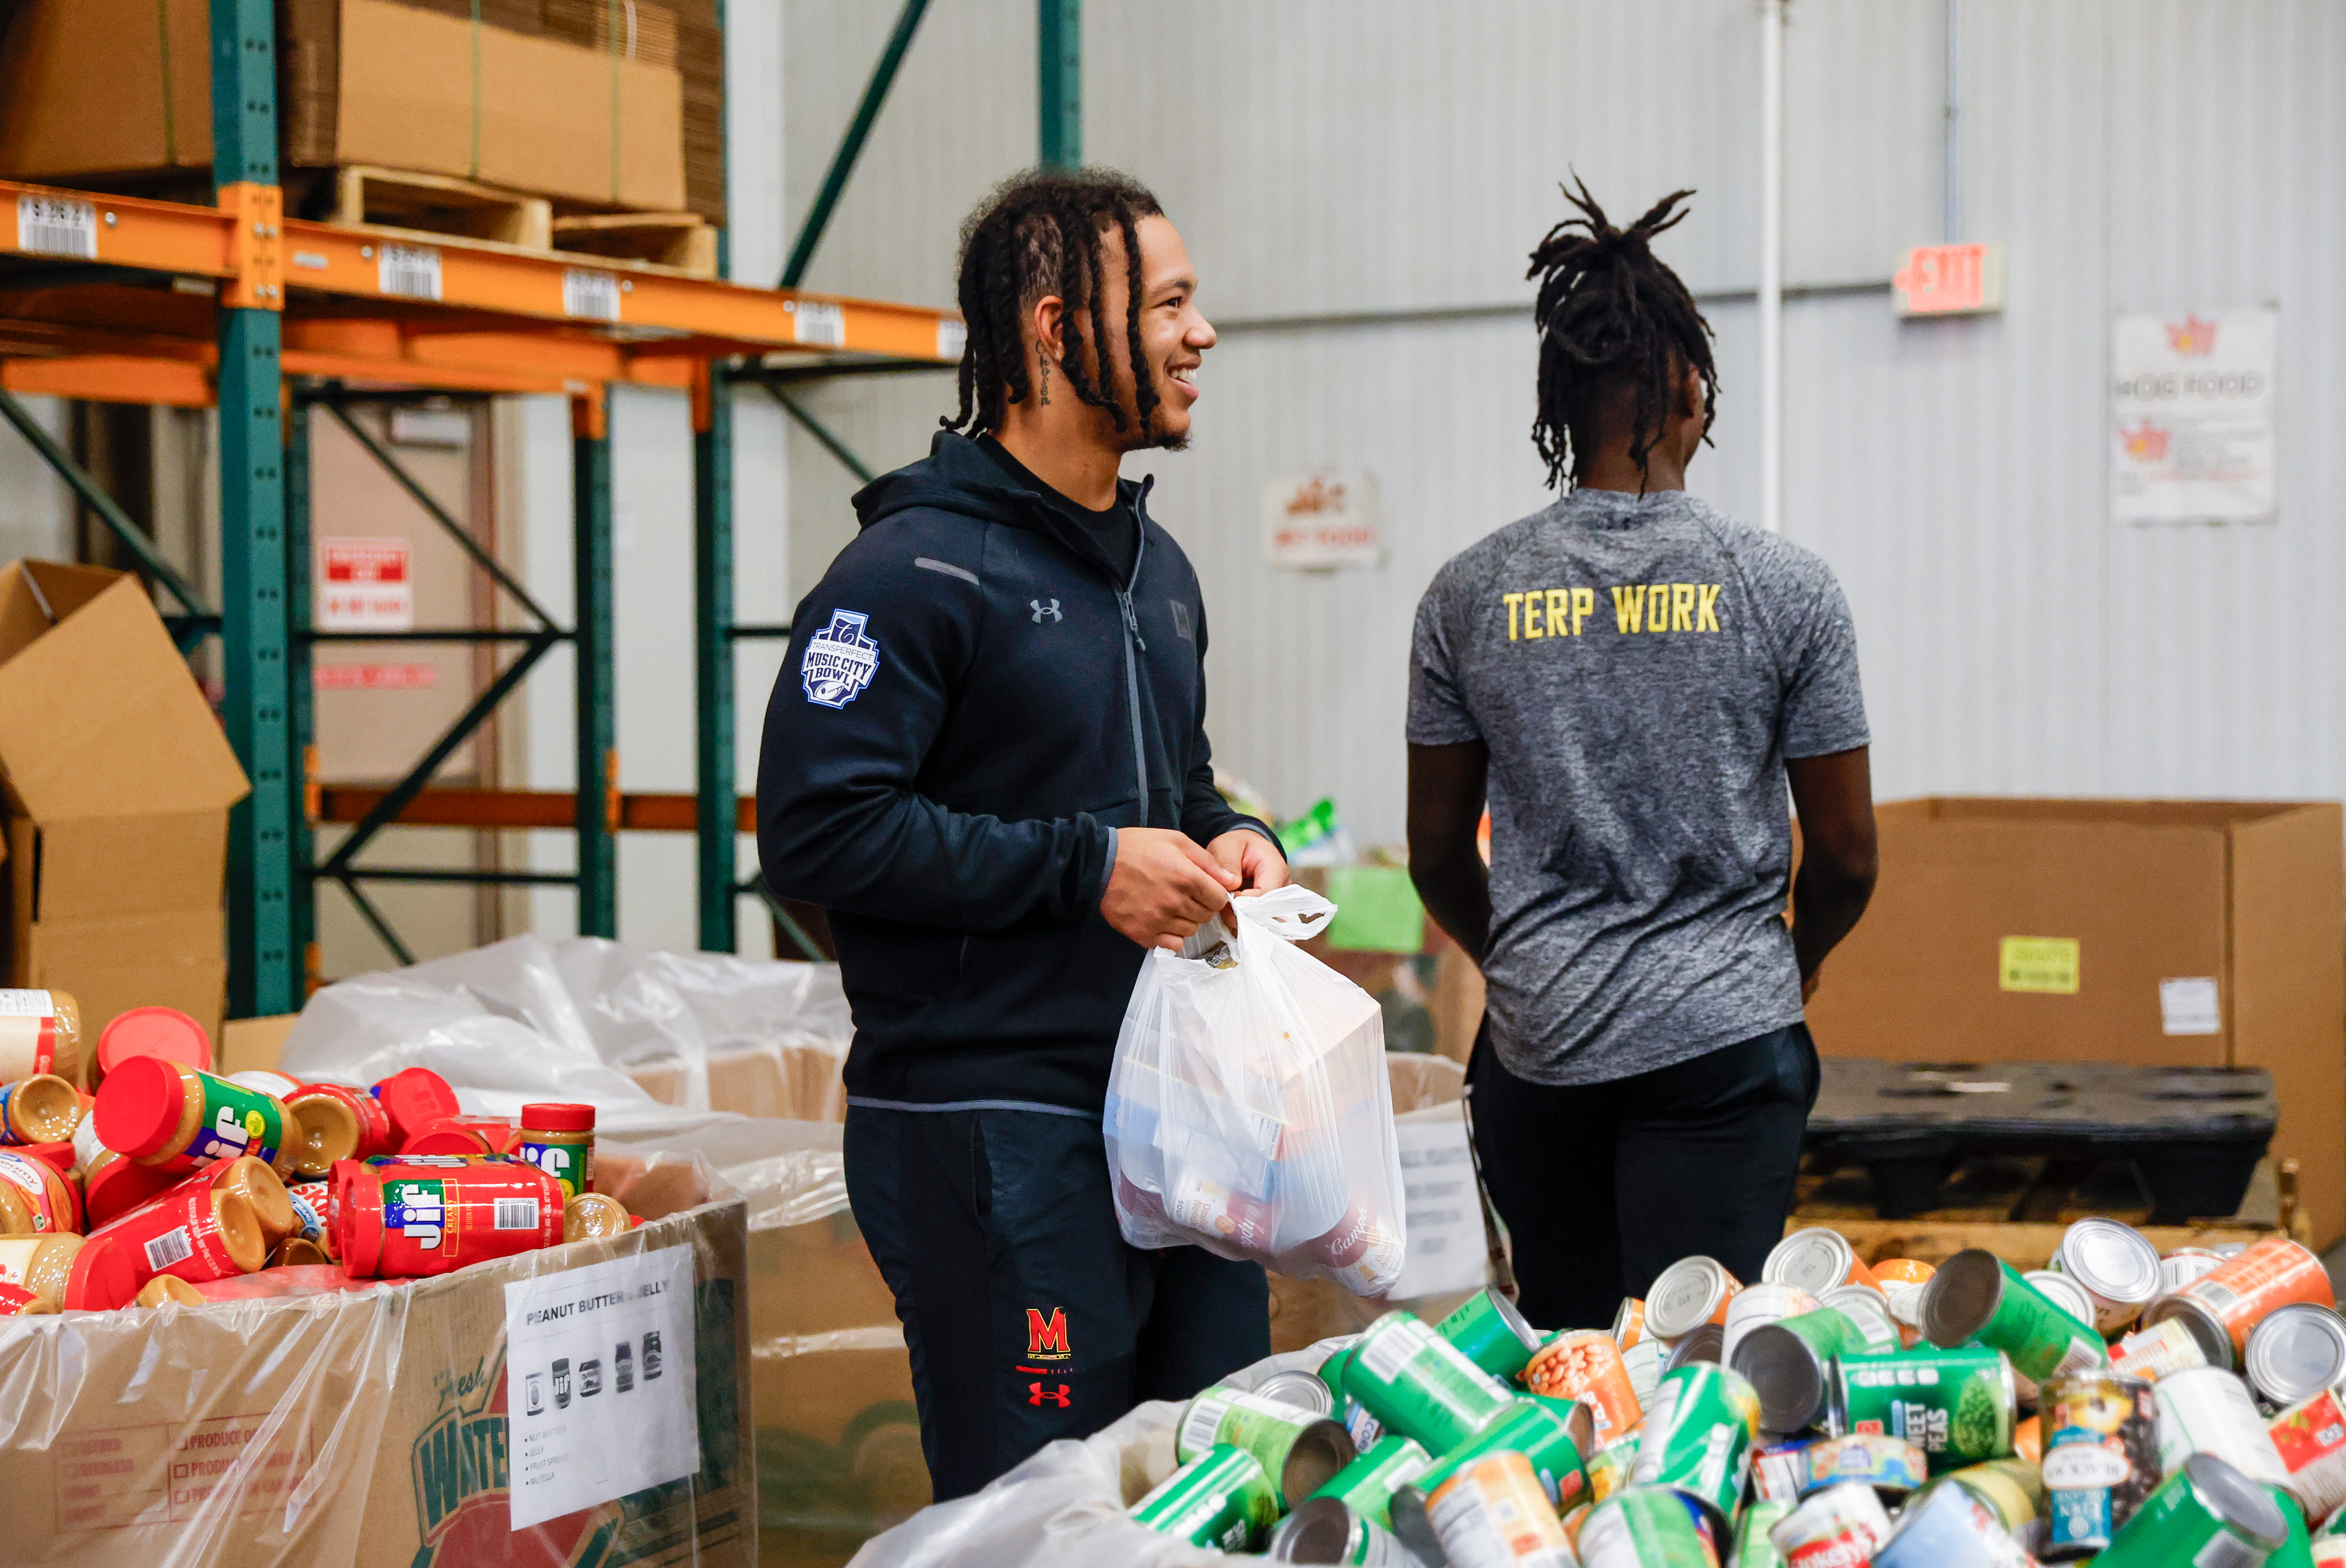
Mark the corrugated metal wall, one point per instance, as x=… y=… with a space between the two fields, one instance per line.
x=1329 y=158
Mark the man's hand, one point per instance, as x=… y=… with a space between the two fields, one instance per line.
x=1256 y=859
x=1164 y=886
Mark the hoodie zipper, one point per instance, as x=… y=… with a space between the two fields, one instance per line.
x=1131 y=660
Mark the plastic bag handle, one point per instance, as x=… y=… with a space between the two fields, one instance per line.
x=1293 y=911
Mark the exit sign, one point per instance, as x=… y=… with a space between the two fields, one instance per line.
x=1951 y=280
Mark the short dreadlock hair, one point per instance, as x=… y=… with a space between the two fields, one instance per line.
x=1043 y=232
x=1610 y=313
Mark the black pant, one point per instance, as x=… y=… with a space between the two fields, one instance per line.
x=1027 y=1317
x=1603 y=1186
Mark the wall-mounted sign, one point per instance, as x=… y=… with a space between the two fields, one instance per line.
x=1951 y=280
x=2191 y=416
x=364 y=585
x=1322 y=520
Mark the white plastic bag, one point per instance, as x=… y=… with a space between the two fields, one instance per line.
x=1248 y=1110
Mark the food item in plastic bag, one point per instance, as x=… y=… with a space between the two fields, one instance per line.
x=40 y=1032
x=1248 y=1110
x=15 y=1301
x=163 y=1113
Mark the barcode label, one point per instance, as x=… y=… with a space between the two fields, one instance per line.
x=952 y=339
x=589 y=294
x=171 y=1247
x=823 y=325
x=1386 y=1354
x=26 y=1004
x=56 y=225
x=516 y=1214
x=2225 y=1550
x=410 y=272
x=1198 y=1427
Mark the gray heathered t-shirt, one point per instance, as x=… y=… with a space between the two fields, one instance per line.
x=1640 y=667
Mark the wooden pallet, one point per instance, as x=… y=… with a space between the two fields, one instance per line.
x=439 y=204
x=683 y=240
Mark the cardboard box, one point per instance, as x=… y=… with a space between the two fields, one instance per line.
x=2015 y=930
x=367 y=1427
x=83 y=96
x=118 y=785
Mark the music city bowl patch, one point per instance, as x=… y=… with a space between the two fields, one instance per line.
x=840 y=660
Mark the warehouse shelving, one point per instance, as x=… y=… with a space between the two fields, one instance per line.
x=119 y=299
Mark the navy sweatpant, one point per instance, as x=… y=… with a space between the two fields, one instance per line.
x=1027 y=1316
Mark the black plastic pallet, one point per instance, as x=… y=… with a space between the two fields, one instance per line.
x=2194 y=1133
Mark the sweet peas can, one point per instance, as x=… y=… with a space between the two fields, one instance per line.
x=1698 y=1438
x=1956 y=1406
x=1367 y=1484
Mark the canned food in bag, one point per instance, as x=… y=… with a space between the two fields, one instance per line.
x=1691 y=1291
x=1698 y=1438
x=2207 y=1410
x=1367 y=1484
x=2311 y=1438
x=1221 y=1500
x=1301 y=1450
x=2154 y=1353
x=1816 y=1260
x=2114 y=1264
x=2297 y=1350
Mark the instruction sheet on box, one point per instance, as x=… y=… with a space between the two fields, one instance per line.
x=599 y=1396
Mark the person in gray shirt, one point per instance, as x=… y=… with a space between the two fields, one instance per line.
x=1630 y=679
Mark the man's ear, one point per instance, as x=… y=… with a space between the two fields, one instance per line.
x=1048 y=319
x=1689 y=389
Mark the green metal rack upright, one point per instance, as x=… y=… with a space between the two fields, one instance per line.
x=598 y=757
x=264 y=964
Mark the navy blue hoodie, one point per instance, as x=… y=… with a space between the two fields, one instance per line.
x=973 y=704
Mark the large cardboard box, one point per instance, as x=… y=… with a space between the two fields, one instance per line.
x=2050 y=930
x=98 y=89
x=118 y=785
x=366 y=1427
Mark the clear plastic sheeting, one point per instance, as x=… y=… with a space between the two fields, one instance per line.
x=790 y=1173
x=1065 y=1507
x=587 y=1021
x=1248 y=1109
x=366 y=1426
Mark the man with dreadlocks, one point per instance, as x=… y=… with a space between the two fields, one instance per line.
x=1629 y=679
x=986 y=758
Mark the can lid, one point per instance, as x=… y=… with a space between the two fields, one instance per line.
x=2064 y=1292
x=415 y=1099
x=1304 y=1390
x=1786 y=1372
x=1683 y=1295
x=102 y=1277
x=1703 y=1342
x=164 y=1032
x=2214 y=1340
x=2296 y=1351
x=2112 y=1261
x=558 y=1118
x=140 y=1104
x=1961 y=1296
x=2236 y=1500
x=1320 y=1530
x=1814 y=1260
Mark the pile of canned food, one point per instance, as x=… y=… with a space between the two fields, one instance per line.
x=2147 y=1411
x=174 y=1183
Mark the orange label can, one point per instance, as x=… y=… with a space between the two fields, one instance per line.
x=1584 y=1364
x=2246 y=1289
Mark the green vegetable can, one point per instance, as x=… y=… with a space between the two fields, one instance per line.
x=2205 y=1515
x=1419 y=1384
x=1696 y=1437
x=1644 y=1527
x=1221 y=1500
x=1753 y=1549
x=1553 y=1435
x=1367 y=1484
x=1490 y=1332
x=1956 y=1406
x=1977 y=1295
x=1301 y=1451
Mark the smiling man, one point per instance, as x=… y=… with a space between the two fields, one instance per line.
x=986 y=756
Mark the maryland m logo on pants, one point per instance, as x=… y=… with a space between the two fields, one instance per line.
x=1046 y=1339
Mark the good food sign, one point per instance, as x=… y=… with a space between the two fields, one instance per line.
x=1321 y=521
x=2191 y=417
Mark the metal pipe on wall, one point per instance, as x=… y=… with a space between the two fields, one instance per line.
x=1771 y=265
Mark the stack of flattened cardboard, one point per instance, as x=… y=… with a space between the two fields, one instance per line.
x=120 y=91
x=118 y=785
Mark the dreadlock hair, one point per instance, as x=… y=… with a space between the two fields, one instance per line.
x=1610 y=313
x=1042 y=232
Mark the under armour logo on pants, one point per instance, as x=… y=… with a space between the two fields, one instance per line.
x=1041 y=609
x=1036 y=1393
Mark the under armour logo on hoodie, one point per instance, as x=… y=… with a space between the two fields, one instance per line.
x=1041 y=609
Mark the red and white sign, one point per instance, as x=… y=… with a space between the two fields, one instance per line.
x=1951 y=280
x=2191 y=416
x=375 y=676
x=365 y=585
x=1321 y=521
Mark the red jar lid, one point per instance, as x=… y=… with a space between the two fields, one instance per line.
x=58 y=1155
x=139 y=1105
x=414 y=1100
x=359 y=1217
x=120 y=1186
x=102 y=1277
x=554 y=1118
x=452 y=1136
x=164 y=1032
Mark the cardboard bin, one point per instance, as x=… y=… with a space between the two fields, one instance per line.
x=2182 y=932
x=118 y=784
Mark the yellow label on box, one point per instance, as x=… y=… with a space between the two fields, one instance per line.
x=2044 y=964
